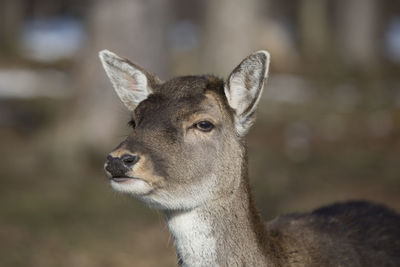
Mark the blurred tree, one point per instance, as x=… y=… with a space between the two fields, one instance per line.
x=314 y=28
x=231 y=31
x=133 y=29
x=11 y=17
x=357 y=29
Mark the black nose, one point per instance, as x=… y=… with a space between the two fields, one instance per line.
x=118 y=167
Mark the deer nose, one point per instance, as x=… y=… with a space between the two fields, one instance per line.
x=118 y=166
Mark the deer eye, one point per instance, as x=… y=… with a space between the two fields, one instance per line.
x=132 y=123
x=204 y=126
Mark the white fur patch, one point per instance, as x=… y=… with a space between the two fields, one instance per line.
x=186 y=198
x=129 y=82
x=135 y=187
x=194 y=239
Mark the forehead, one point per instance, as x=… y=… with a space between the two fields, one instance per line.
x=184 y=95
x=190 y=86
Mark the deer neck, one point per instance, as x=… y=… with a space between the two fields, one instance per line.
x=224 y=232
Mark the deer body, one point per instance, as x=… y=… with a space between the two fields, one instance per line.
x=187 y=157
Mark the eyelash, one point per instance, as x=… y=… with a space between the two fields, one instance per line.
x=132 y=123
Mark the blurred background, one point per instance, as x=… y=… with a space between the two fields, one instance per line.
x=328 y=124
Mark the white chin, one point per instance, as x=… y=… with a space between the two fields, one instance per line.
x=134 y=187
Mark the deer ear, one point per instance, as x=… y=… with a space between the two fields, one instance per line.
x=244 y=87
x=131 y=82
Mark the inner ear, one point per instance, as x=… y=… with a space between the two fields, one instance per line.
x=131 y=82
x=244 y=87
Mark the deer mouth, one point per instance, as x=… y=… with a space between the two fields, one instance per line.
x=123 y=179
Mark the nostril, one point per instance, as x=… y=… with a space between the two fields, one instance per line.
x=108 y=168
x=129 y=160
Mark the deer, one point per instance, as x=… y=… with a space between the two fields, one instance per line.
x=186 y=156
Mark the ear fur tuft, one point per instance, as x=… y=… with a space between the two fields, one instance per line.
x=131 y=82
x=244 y=87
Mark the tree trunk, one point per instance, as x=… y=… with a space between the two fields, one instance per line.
x=133 y=29
x=357 y=30
x=314 y=29
x=231 y=28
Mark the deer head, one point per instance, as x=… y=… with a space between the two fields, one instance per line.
x=186 y=144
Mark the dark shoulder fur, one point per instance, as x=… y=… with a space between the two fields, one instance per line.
x=356 y=233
